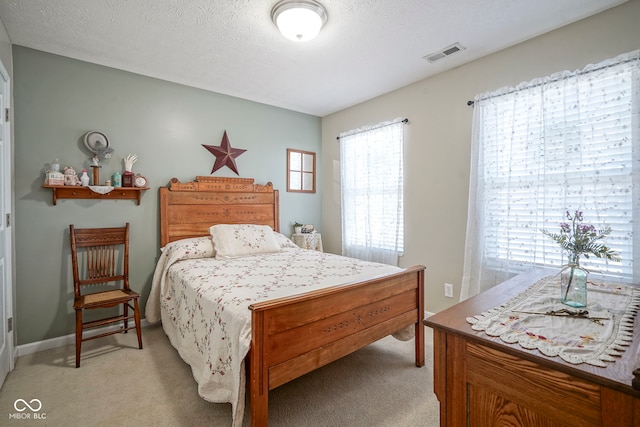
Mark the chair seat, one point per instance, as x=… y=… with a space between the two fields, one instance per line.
x=99 y=298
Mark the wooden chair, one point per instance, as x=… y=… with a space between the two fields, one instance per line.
x=100 y=257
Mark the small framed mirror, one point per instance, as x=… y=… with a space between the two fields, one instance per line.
x=301 y=171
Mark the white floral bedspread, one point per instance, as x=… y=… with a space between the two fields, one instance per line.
x=205 y=301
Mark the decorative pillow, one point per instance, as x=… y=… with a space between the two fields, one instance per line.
x=236 y=240
x=193 y=247
x=284 y=241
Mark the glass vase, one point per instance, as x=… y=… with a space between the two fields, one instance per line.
x=573 y=286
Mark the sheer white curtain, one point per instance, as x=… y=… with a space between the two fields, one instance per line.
x=570 y=141
x=371 y=169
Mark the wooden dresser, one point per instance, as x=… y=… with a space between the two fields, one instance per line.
x=482 y=381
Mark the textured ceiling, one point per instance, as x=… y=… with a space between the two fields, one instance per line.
x=367 y=48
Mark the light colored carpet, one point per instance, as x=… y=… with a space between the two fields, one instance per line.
x=118 y=384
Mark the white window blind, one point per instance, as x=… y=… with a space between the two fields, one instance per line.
x=570 y=141
x=371 y=164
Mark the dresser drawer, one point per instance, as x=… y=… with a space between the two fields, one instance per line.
x=501 y=385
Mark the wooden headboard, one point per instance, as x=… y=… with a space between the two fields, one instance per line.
x=188 y=210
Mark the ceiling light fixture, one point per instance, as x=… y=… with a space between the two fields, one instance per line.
x=299 y=20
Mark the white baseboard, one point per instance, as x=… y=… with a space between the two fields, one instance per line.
x=428 y=314
x=70 y=339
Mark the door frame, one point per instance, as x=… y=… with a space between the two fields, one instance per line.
x=7 y=223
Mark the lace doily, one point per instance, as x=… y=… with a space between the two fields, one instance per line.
x=598 y=337
x=102 y=189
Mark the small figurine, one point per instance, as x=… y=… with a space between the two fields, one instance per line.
x=129 y=161
x=70 y=176
x=95 y=161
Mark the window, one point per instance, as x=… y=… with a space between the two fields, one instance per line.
x=301 y=171
x=566 y=142
x=371 y=164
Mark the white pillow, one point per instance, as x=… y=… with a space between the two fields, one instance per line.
x=192 y=247
x=284 y=241
x=236 y=240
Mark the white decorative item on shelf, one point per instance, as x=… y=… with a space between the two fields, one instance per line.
x=84 y=179
x=101 y=189
x=54 y=178
x=129 y=161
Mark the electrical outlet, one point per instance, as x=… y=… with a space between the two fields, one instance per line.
x=448 y=290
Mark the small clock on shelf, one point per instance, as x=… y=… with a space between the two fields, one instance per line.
x=140 y=181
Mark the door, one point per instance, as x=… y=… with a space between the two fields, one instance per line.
x=6 y=333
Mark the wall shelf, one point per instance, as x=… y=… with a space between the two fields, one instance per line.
x=78 y=192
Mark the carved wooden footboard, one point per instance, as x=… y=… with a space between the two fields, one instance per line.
x=293 y=336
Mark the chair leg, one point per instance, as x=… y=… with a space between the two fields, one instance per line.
x=126 y=314
x=136 y=317
x=78 y=336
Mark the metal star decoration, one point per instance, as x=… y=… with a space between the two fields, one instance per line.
x=225 y=155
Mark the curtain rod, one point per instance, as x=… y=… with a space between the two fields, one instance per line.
x=405 y=121
x=513 y=90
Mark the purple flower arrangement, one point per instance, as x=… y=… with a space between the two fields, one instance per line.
x=579 y=239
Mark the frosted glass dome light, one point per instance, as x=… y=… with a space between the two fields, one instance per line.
x=299 y=21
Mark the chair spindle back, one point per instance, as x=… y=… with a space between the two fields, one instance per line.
x=100 y=252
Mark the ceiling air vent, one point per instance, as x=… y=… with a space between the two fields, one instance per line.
x=449 y=50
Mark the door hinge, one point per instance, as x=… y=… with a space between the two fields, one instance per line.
x=6 y=114
x=8 y=221
x=9 y=324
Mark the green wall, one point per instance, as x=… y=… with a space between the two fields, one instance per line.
x=58 y=99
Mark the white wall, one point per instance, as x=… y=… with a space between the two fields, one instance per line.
x=5 y=49
x=438 y=137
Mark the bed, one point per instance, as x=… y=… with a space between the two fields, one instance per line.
x=290 y=335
